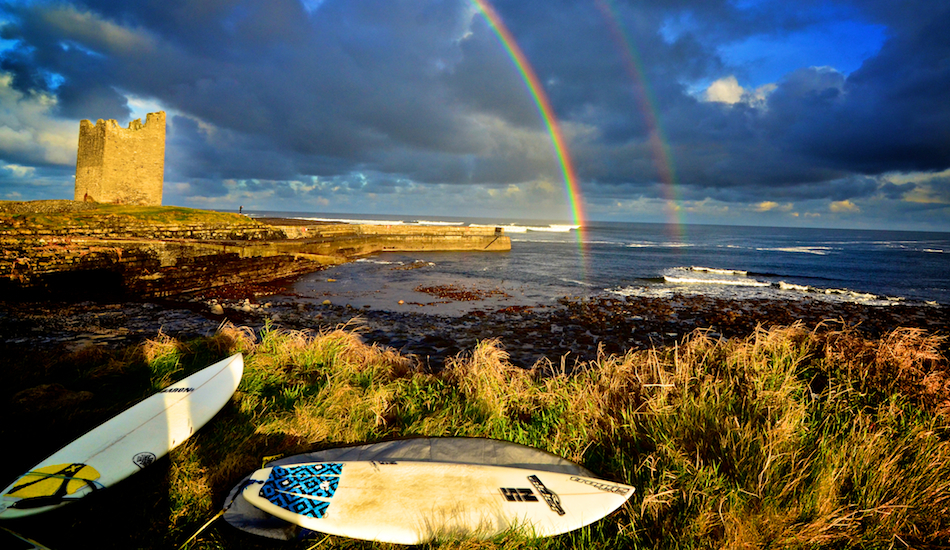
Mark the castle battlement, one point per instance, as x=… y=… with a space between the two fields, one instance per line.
x=121 y=165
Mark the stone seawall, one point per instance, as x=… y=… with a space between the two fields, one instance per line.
x=124 y=256
x=358 y=240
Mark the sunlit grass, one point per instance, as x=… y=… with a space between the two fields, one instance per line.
x=790 y=437
x=98 y=214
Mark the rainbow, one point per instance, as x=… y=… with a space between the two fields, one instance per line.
x=544 y=107
x=659 y=146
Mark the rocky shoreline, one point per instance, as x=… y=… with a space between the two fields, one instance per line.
x=185 y=250
x=66 y=250
x=571 y=331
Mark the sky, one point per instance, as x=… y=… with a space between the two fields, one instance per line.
x=812 y=113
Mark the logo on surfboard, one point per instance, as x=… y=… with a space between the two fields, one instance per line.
x=554 y=501
x=616 y=489
x=518 y=495
x=143 y=459
x=177 y=390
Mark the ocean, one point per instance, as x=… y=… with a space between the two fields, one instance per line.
x=549 y=261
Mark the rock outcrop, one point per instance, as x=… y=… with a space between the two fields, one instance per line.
x=59 y=251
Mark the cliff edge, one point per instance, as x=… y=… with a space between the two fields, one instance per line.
x=75 y=250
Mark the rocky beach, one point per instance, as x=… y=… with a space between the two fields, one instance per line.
x=227 y=268
x=571 y=331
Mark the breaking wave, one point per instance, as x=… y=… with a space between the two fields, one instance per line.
x=515 y=228
x=703 y=281
x=737 y=284
x=817 y=250
x=719 y=271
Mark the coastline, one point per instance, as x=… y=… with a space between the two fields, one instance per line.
x=231 y=271
x=648 y=400
x=68 y=250
x=572 y=331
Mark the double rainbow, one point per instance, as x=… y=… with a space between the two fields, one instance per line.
x=659 y=146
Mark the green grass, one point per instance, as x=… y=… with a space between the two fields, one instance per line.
x=116 y=214
x=789 y=438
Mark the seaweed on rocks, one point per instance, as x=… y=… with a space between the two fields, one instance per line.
x=571 y=332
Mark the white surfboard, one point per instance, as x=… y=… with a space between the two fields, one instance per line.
x=413 y=502
x=125 y=444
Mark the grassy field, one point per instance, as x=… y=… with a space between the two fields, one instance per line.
x=94 y=215
x=792 y=437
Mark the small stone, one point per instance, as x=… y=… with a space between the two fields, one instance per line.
x=216 y=309
x=327 y=302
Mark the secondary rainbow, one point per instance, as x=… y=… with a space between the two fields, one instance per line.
x=659 y=146
x=544 y=106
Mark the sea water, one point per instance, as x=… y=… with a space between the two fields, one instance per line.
x=549 y=261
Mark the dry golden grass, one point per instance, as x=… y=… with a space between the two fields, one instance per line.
x=487 y=378
x=906 y=361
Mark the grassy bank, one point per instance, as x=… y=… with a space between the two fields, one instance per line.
x=53 y=214
x=790 y=437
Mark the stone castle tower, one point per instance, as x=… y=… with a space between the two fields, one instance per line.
x=121 y=165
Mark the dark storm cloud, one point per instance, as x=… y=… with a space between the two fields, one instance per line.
x=896 y=192
x=20 y=65
x=90 y=100
x=18 y=183
x=411 y=91
x=592 y=81
x=352 y=80
x=486 y=81
x=221 y=153
x=891 y=114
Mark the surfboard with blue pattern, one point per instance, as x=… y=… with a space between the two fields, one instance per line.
x=308 y=470
x=296 y=503
x=411 y=502
x=300 y=488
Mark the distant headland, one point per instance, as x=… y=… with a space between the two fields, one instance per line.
x=70 y=249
